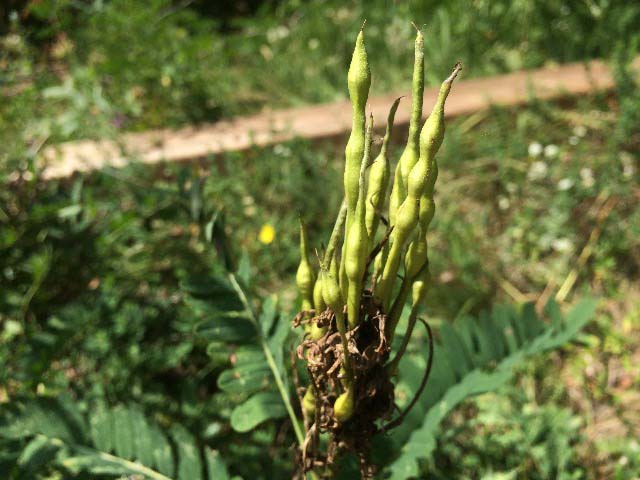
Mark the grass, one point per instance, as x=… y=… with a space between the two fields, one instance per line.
x=93 y=69
x=529 y=202
x=511 y=225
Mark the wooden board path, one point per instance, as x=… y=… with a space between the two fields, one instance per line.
x=320 y=121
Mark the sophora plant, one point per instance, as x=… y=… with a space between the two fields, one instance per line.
x=353 y=292
x=351 y=306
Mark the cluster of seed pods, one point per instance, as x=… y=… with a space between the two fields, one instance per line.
x=341 y=296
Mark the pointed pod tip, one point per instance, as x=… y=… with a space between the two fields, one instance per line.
x=456 y=69
x=363 y=24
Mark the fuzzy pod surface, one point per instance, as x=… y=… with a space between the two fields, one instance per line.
x=411 y=152
x=305 y=276
x=421 y=176
x=357 y=244
x=358 y=81
x=309 y=402
x=378 y=183
x=344 y=406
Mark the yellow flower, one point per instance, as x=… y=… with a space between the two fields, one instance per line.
x=267 y=234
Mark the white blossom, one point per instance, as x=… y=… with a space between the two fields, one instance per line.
x=562 y=245
x=579 y=130
x=565 y=184
x=538 y=170
x=535 y=149
x=586 y=175
x=628 y=168
x=277 y=33
x=551 y=151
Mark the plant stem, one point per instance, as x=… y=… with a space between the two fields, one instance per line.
x=335 y=235
x=398 y=305
x=129 y=465
x=392 y=367
x=342 y=329
x=270 y=360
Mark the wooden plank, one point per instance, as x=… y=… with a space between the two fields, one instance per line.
x=320 y=121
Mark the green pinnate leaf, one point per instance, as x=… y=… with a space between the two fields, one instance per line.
x=257 y=409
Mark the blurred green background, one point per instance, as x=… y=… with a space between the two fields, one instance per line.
x=90 y=266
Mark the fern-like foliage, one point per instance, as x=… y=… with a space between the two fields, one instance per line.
x=45 y=433
x=224 y=321
x=471 y=357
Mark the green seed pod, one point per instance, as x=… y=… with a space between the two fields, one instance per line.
x=379 y=179
x=357 y=244
x=342 y=273
x=318 y=299
x=309 y=402
x=427 y=205
x=359 y=81
x=397 y=196
x=420 y=287
x=379 y=261
x=422 y=176
x=331 y=290
x=416 y=256
x=344 y=406
x=317 y=332
x=433 y=131
x=305 y=277
x=411 y=151
x=405 y=223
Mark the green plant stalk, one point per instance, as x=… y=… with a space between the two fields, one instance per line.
x=398 y=305
x=411 y=152
x=355 y=256
x=270 y=360
x=379 y=180
x=342 y=329
x=420 y=288
x=335 y=236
